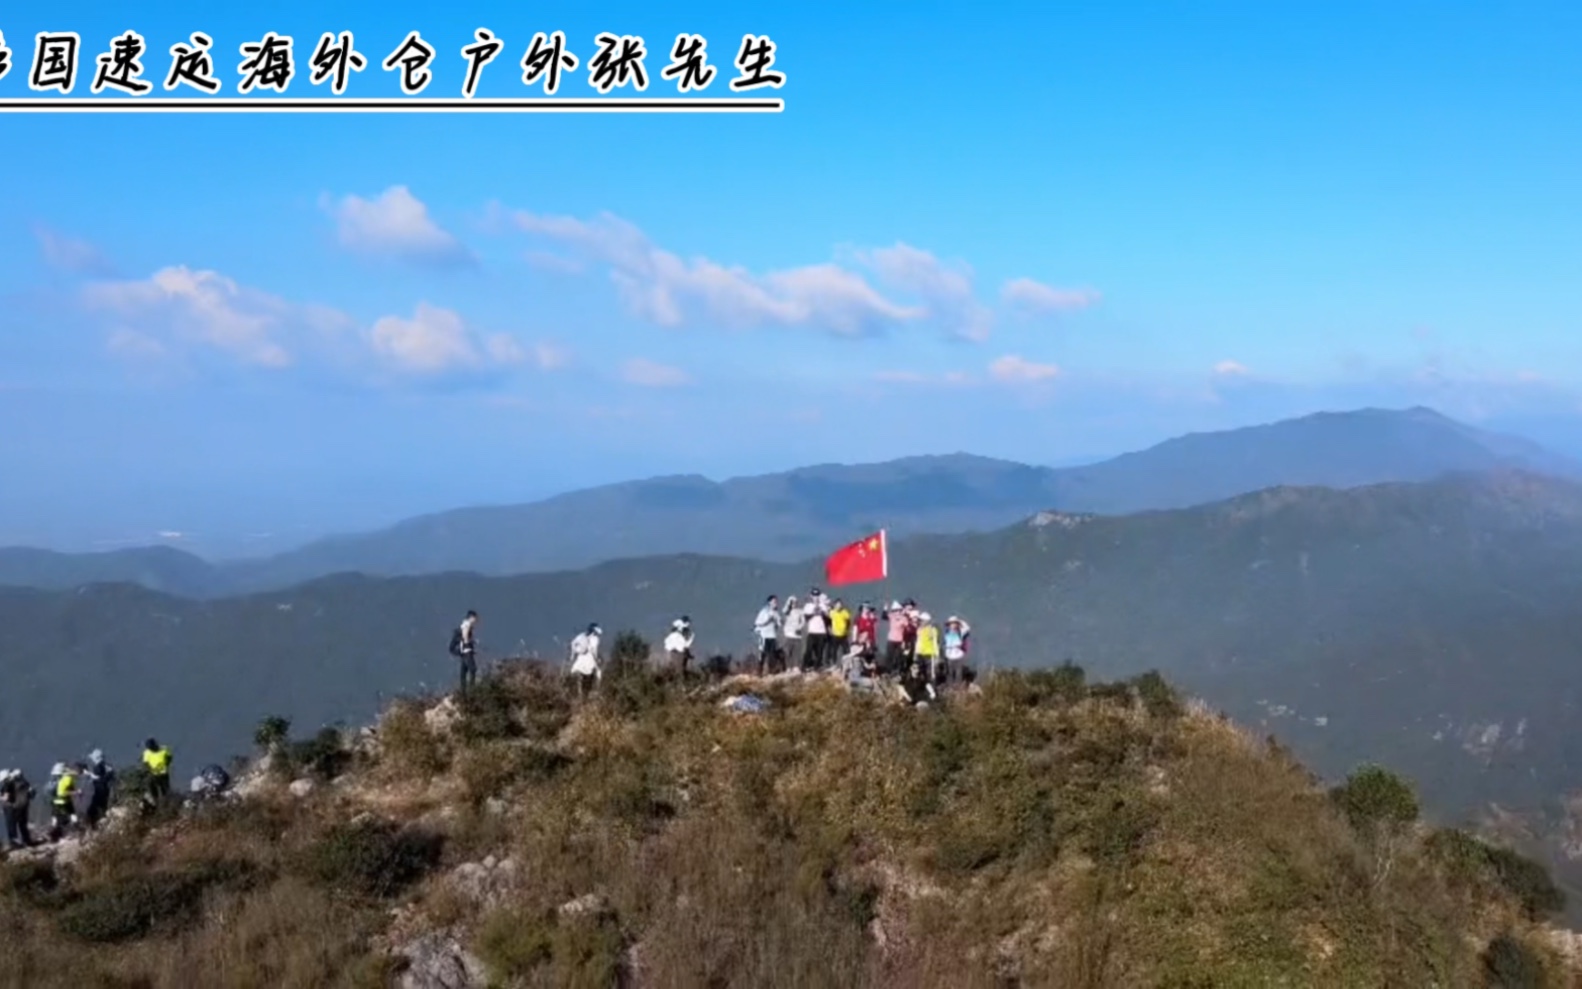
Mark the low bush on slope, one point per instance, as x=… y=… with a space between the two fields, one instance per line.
x=1044 y=832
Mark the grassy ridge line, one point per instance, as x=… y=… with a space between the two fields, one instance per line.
x=1048 y=831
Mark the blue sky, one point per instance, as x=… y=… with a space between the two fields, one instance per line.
x=1039 y=232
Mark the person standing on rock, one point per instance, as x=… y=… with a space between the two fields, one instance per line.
x=585 y=660
x=63 y=798
x=678 y=645
x=767 y=627
x=101 y=779
x=464 y=646
x=156 y=758
x=9 y=805
x=793 y=622
x=839 y=629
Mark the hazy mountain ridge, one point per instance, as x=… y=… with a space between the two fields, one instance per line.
x=797 y=514
x=1394 y=612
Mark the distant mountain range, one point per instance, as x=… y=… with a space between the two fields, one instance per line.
x=800 y=513
x=1431 y=625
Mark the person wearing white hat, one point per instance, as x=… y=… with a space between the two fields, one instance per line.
x=678 y=645
x=585 y=659
x=101 y=778
x=895 y=638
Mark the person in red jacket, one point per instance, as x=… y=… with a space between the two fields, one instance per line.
x=866 y=630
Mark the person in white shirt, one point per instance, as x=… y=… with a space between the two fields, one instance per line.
x=585 y=659
x=767 y=627
x=794 y=623
x=678 y=644
x=817 y=624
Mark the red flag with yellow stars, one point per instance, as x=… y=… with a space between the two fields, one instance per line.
x=866 y=559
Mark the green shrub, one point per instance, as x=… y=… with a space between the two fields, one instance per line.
x=488 y=771
x=512 y=943
x=1115 y=836
x=272 y=732
x=372 y=858
x=586 y=952
x=131 y=785
x=1526 y=880
x=629 y=654
x=407 y=746
x=1469 y=859
x=32 y=881
x=1375 y=797
x=488 y=711
x=1065 y=684
x=581 y=951
x=1508 y=963
x=323 y=756
x=138 y=906
x=1119 y=692
x=1157 y=696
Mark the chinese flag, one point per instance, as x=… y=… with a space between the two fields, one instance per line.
x=866 y=559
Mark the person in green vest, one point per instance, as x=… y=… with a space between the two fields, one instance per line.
x=157 y=759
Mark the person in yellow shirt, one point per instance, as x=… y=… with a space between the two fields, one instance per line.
x=839 y=628
x=63 y=801
x=156 y=758
x=928 y=646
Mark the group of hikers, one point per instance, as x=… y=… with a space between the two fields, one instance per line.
x=79 y=794
x=812 y=635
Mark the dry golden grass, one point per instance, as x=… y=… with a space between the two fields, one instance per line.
x=1043 y=834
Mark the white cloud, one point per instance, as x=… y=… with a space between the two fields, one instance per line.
x=71 y=254
x=435 y=340
x=1231 y=369
x=664 y=288
x=947 y=289
x=204 y=306
x=131 y=344
x=395 y=224
x=955 y=378
x=651 y=374
x=1014 y=368
x=549 y=356
x=179 y=308
x=1033 y=297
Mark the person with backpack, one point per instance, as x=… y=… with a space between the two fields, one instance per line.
x=464 y=646
x=11 y=808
